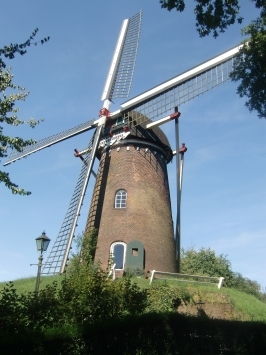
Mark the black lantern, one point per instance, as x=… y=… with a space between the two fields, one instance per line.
x=42 y=242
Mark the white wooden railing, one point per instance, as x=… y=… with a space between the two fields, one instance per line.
x=112 y=272
x=180 y=278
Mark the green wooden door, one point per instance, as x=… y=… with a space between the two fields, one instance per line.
x=134 y=256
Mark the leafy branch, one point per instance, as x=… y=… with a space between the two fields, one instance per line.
x=10 y=94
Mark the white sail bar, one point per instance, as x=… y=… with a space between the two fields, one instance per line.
x=161 y=121
x=57 y=259
x=182 y=77
x=115 y=61
x=47 y=142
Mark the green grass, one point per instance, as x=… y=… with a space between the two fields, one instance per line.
x=28 y=284
x=246 y=307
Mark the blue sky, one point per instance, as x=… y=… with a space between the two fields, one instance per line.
x=223 y=197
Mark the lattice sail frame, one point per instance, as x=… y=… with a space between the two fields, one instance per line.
x=120 y=74
x=57 y=259
x=162 y=103
x=47 y=142
x=126 y=66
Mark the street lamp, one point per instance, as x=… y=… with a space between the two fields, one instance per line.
x=42 y=243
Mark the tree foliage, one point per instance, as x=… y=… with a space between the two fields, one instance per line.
x=250 y=67
x=206 y=262
x=26 y=312
x=214 y=17
x=167 y=298
x=10 y=93
x=86 y=296
x=89 y=295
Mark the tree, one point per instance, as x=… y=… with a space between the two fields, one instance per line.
x=250 y=67
x=214 y=16
x=10 y=93
x=206 y=262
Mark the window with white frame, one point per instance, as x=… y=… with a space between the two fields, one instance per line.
x=120 y=199
x=118 y=253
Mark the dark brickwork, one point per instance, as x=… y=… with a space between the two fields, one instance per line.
x=141 y=170
x=98 y=195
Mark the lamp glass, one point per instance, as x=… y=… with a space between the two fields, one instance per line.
x=42 y=242
x=45 y=244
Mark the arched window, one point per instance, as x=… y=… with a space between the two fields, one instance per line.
x=120 y=199
x=118 y=253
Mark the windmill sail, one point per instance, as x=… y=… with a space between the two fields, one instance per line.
x=58 y=256
x=162 y=99
x=120 y=75
x=47 y=142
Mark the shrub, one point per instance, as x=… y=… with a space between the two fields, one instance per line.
x=206 y=262
x=166 y=298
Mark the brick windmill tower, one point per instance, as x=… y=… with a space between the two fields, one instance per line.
x=131 y=200
x=131 y=205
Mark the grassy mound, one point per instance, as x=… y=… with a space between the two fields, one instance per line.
x=203 y=300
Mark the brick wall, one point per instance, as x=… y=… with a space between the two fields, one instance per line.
x=147 y=217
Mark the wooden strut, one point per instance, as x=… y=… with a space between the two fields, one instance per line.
x=78 y=155
x=179 y=174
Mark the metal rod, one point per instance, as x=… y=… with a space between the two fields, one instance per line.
x=177 y=232
x=182 y=151
x=40 y=259
x=115 y=61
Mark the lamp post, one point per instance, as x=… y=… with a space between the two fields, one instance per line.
x=42 y=243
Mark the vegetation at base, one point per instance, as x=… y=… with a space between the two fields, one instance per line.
x=86 y=295
x=166 y=296
x=143 y=335
x=86 y=244
x=88 y=313
x=26 y=285
x=206 y=262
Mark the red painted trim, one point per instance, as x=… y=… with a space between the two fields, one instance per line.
x=175 y=115
x=104 y=112
x=183 y=149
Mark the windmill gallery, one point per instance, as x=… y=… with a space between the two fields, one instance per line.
x=130 y=205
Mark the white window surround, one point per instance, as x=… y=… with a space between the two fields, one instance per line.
x=120 y=199
x=113 y=252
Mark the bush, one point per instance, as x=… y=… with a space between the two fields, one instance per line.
x=166 y=298
x=153 y=333
x=206 y=262
x=29 y=312
x=86 y=295
x=89 y=296
x=246 y=285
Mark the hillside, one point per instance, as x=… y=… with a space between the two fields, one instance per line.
x=201 y=300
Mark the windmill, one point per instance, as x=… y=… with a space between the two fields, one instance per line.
x=132 y=130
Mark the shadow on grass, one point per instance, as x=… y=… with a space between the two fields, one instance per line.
x=153 y=333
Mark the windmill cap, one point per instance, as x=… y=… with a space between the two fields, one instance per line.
x=155 y=134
